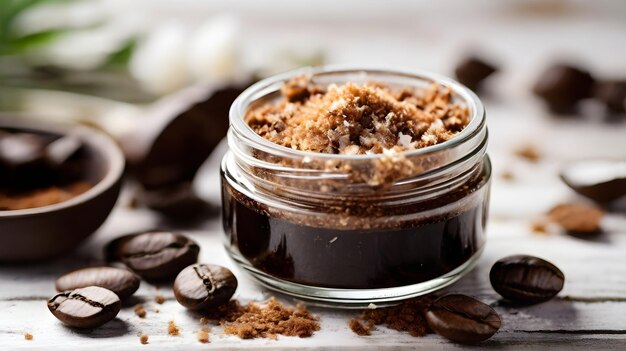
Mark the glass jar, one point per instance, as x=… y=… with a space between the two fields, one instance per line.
x=355 y=229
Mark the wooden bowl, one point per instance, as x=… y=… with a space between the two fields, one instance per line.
x=50 y=231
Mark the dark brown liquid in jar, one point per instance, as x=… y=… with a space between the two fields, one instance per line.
x=353 y=258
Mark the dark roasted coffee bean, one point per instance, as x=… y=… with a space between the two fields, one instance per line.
x=472 y=71
x=562 y=87
x=122 y=282
x=202 y=286
x=526 y=279
x=612 y=94
x=85 y=308
x=158 y=255
x=602 y=181
x=462 y=319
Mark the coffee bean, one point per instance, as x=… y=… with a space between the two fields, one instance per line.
x=157 y=255
x=202 y=286
x=526 y=279
x=563 y=86
x=462 y=319
x=600 y=180
x=85 y=308
x=472 y=71
x=122 y=282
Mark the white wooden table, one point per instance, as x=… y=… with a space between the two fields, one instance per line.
x=590 y=312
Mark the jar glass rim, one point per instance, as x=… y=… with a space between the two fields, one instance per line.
x=272 y=84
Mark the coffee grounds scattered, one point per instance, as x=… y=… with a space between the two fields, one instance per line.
x=143 y=339
x=140 y=311
x=409 y=316
x=172 y=329
x=203 y=335
x=539 y=227
x=264 y=321
x=529 y=153
x=28 y=336
x=577 y=218
x=360 y=327
x=159 y=299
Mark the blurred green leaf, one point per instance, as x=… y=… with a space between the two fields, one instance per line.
x=23 y=44
x=122 y=56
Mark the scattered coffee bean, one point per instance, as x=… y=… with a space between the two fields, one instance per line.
x=526 y=279
x=577 y=218
x=202 y=286
x=612 y=94
x=462 y=319
x=122 y=282
x=601 y=181
x=472 y=71
x=563 y=86
x=85 y=308
x=155 y=255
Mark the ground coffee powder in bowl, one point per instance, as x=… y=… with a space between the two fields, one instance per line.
x=356 y=185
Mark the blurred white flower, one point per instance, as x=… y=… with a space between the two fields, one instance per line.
x=59 y=15
x=213 y=50
x=159 y=62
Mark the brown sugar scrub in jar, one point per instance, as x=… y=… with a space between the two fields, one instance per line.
x=356 y=186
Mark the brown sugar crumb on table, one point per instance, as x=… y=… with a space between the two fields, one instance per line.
x=172 y=329
x=360 y=327
x=529 y=153
x=143 y=339
x=28 y=336
x=409 y=317
x=359 y=119
x=270 y=320
x=159 y=299
x=203 y=335
x=140 y=311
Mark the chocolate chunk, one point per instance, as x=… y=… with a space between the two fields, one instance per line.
x=562 y=87
x=157 y=255
x=577 y=218
x=612 y=94
x=526 y=279
x=602 y=181
x=85 y=308
x=462 y=319
x=202 y=286
x=122 y=282
x=473 y=71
